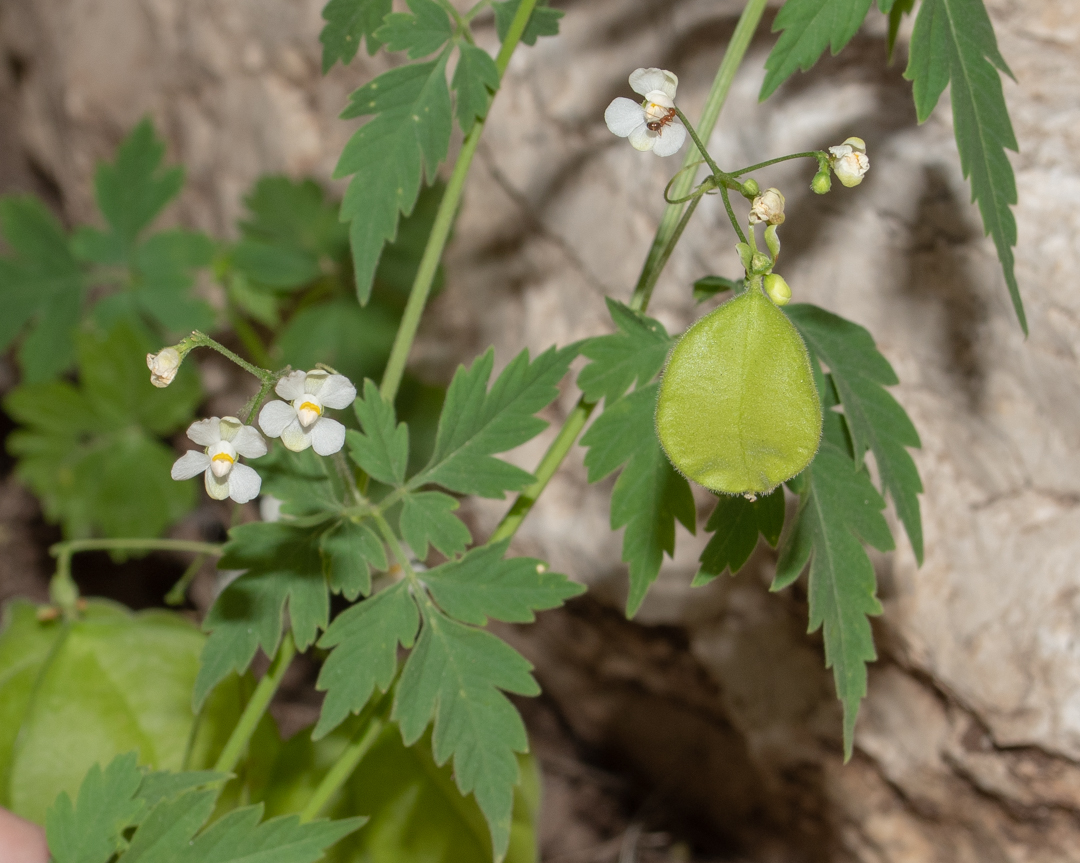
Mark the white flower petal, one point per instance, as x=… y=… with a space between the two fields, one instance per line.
x=294 y=437
x=291 y=386
x=327 y=436
x=249 y=442
x=244 y=483
x=670 y=139
x=314 y=381
x=190 y=464
x=275 y=416
x=644 y=81
x=337 y=392
x=230 y=426
x=205 y=432
x=642 y=139
x=217 y=487
x=623 y=116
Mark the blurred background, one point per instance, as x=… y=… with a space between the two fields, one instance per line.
x=707 y=728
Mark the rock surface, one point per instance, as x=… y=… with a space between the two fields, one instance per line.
x=968 y=745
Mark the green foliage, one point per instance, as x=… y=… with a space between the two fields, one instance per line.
x=635 y=353
x=735 y=524
x=388 y=156
x=112 y=681
x=420 y=33
x=414 y=810
x=648 y=495
x=347 y=22
x=475 y=79
x=381 y=448
x=873 y=417
x=282 y=563
x=954 y=43
x=838 y=507
x=456 y=676
x=482 y=584
x=477 y=423
x=42 y=285
x=809 y=27
x=365 y=639
x=708 y=287
x=428 y=517
x=350 y=550
x=899 y=9
x=544 y=21
x=302 y=481
x=92 y=452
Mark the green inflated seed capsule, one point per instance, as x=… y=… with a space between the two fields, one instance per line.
x=738 y=411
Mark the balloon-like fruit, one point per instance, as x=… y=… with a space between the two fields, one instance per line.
x=738 y=411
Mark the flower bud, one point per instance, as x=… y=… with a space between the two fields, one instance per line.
x=821 y=183
x=777 y=289
x=849 y=161
x=768 y=207
x=163 y=366
x=760 y=263
x=751 y=189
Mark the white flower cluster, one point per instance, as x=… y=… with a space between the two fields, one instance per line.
x=652 y=124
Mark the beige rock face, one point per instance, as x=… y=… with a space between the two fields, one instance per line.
x=968 y=743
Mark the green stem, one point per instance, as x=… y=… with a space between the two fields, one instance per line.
x=343 y=768
x=815 y=154
x=178 y=592
x=733 y=57
x=667 y=235
x=256 y=707
x=717 y=173
x=74 y=546
x=731 y=214
x=444 y=220
x=398 y=552
x=198 y=339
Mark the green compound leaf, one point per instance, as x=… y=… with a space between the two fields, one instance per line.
x=40 y=283
x=735 y=525
x=648 y=495
x=456 y=675
x=896 y=13
x=809 y=27
x=161 y=269
x=133 y=190
x=476 y=78
x=90 y=831
x=874 y=418
x=350 y=550
x=365 y=641
x=295 y=215
x=428 y=517
x=170 y=827
x=347 y=22
x=239 y=836
x=477 y=423
x=635 y=353
x=382 y=446
x=954 y=43
x=544 y=21
x=482 y=584
x=302 y=481
x=282 y=564
x=838 y=506
x=421 y=33
x=91 y=452
x=388 y=156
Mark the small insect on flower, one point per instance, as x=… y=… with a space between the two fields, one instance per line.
x=299 y=420
x=225 y=439
x=652 y=124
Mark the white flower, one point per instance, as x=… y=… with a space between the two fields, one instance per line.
x=299 y=420
x=849 y=161
x=225 y=440
x=652 y=124
x=163 y=366
x=768 y=207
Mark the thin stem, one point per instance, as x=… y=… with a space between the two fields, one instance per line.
x=248 y=410
x=178 y=592
x=731 y=214
x=667 y=234
x=198 y=339
x=815 y=154
x=717 y=173
x=558 y=451
x=396 y=549
x=74 y=546
x=725 y=75
x=343 y=768
x=444 y=220
x=640 y=300
x=256 y=706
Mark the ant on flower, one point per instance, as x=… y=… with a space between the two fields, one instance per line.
x=658 y=125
